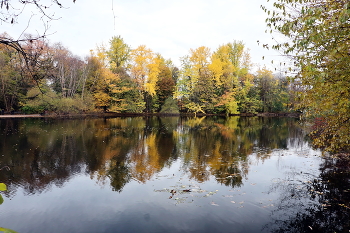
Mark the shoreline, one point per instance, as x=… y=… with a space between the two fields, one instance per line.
x=22 y=116
x=111 y=114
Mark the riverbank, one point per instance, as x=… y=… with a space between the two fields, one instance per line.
x=112 y=114
x=21 y=116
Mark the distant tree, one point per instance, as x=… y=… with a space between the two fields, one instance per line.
x=202 y=92
x=67 y=77
x=118 y=53
x=10 y=10
x=145 y=69
x=165 y=83
x=112 y=91
x=213 y=82
x=273 y=91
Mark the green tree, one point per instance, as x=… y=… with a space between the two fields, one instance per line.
x=317 y=34
x=249 y=96
x=267 y=86
x=118 y=53
x=166 y=84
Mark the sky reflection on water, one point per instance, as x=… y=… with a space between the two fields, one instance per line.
x=155 y=174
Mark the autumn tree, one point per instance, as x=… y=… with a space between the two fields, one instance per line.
x=55 y=80
x=165 y=86
x=222 y=68
x=18 y=75
x=112 y=91
x=272 y=91
x=213 y=82
x=317 y=39
x=140 y=58
x=99 y=78
x=145 y=69
x=196 y=86
x=126 y=94
x=225 y=67
x=11 y=10
x=118 y=53
x=68 y=76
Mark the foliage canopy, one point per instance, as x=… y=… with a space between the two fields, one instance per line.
x=318 y=40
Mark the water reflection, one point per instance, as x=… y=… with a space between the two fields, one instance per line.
x=48 y=152
x=310 y=203
x=46 y=155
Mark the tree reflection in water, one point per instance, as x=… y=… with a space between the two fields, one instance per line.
x=315 y=203
x=43 y=153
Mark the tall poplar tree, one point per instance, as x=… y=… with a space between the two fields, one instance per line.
x=118 y=53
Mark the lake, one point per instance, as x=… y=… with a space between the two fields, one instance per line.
x=168 y=174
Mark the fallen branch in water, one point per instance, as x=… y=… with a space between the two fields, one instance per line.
x=6 y=167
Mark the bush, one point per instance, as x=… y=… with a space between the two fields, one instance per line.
x=53 y=102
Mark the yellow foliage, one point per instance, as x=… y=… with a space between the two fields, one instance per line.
x=200 y=56
x=217 y=68
x=102 y=99
x=200 y=60
x=153 y=72
x=140 y=57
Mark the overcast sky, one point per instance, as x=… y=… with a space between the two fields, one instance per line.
x=168 y=27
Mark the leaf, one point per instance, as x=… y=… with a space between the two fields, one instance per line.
x=1 y=199
x=6 y=230
x=214 y=204
x=3 y=187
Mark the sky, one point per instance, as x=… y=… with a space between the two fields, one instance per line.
x=168 y=27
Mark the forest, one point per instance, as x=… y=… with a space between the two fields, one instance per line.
x=49 y=79
x=118 y=78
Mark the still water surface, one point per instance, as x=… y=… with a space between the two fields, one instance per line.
x=168 y=174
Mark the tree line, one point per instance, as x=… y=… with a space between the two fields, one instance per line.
x=117 y=78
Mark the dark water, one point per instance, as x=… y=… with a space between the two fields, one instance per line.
x=168 y=175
